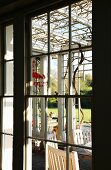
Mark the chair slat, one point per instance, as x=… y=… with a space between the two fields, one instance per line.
x=57 y=159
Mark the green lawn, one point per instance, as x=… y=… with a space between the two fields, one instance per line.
x=87 y=113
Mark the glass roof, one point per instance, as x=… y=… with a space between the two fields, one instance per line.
x=62 y=26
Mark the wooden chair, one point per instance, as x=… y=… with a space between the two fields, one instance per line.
x=78 y=137
x=52 y=136
x=57 y=159
x=81 y=137
x=87 y=136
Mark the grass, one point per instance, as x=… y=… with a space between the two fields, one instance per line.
x=87 y=114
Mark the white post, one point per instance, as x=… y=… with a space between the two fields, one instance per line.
x=43 y=70
x=61 y=101
x=71 y=105
x=29 y=133
x=36 y=130
x=78 y=90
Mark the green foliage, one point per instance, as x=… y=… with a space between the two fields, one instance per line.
x=87 y=113
x=86 y=89
x=52 y=103
x=53 y=85
x=88 y=80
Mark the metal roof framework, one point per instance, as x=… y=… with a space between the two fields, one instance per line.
x=63 y=28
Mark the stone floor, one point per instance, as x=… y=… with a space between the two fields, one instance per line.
x=38 y=161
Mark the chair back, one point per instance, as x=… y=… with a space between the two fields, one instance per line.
x=78 y=137
x=52 y=137
x=87 y=137
x=57 y=159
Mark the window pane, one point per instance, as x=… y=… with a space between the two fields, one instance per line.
x=8 y=115
x=39 y=34
x=9 y=42
x=39 y=71
x=59 y=35
x=8 y=132
x=8 y=78
x=81 y=24
x=7 y=155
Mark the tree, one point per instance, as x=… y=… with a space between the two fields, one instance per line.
x=52 y=102
x=86 y=89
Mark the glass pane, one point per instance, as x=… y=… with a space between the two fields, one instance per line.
x=54 y=74
x=8 y=115
x=86 y=66
x=82 y=72
x=8 y=78
x=8 y=42
x=81 y=24
x=7 y=129
x=38 y=116
x=39 y=34
x=39 y=77
x=38 y=157
x=47 y=116
x=7 y=155
x=59 y=35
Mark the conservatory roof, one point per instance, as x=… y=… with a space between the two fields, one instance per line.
x=63 y=28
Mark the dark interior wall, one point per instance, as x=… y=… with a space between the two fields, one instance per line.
x=101 y=84
x=9 y=5
x=28 y=5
